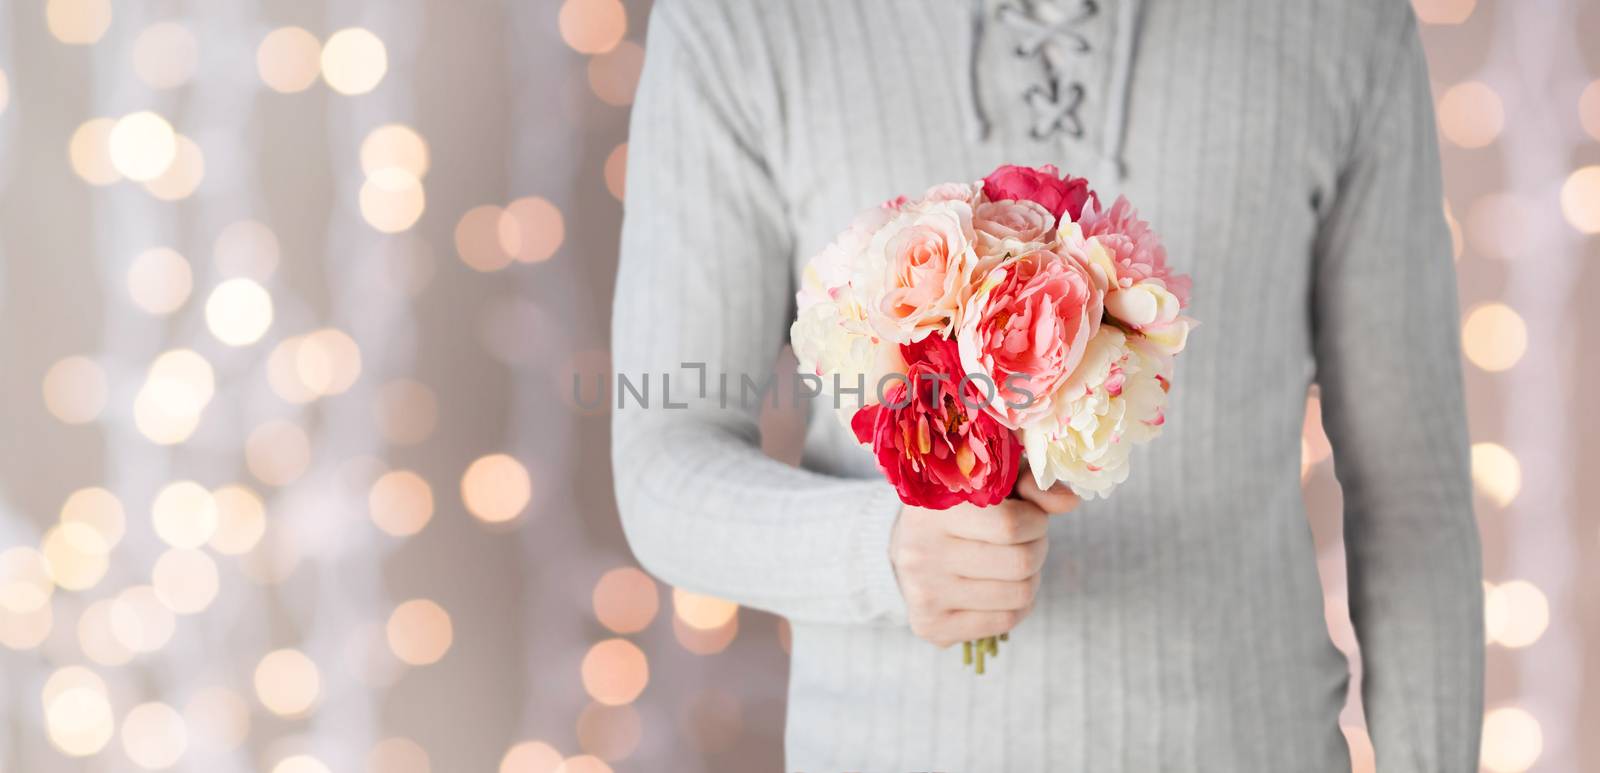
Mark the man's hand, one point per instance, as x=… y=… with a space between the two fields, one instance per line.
x=971 y=572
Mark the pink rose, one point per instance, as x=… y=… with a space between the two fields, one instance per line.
x=1011 y=226
x=935 y=448
x=1027 y=329
x=1044 y=186
x=913 y=274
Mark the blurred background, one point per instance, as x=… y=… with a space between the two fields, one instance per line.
x=292 y=297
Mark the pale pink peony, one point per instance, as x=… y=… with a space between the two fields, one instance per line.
x=913 y=274
x=1012 y=227
x=1026 y=329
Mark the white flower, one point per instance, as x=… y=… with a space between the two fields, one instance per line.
x=1113 y=401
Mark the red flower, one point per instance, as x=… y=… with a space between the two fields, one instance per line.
x=935 y=448
x=1045 y=186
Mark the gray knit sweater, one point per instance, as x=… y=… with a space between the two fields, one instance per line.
x=1285 y=150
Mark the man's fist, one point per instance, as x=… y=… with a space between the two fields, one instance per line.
x=970 y=572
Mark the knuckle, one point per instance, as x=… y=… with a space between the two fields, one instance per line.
x=1015 y=563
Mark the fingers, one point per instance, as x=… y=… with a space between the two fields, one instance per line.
x=1055 y=500
x=985 y=561
x=1012 y=522
x=966 y=625
x=992 y=595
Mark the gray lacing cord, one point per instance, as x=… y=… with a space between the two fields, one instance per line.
x=1054 y=103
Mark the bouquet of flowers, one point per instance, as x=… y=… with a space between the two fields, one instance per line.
x=983 y=324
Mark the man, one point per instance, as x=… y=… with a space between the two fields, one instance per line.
x=1285 y=149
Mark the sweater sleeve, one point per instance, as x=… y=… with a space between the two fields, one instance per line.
x=703 y=304
x=1388 y=364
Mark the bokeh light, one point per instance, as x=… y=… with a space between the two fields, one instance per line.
x=398 y=755
x=395 y=146
x=177 y=388
x=616 y=171
x=25 y=583
x=1443 y=11
x=400 y=503
x=218 y=716
x=287 y=682
x=300 y=763
x=78 y=720
x=139 y=621
x=1522 y=613
x=159 y=281
x=26 y=630
x=277 y=452
x=705 y=641
x=1512 y=740
x=154 y=736
x=478 y=241
x=239 y=311
x=702 y=612
x=583 y=763
x=1471 y=114
x=142 y=145
x=78 y=22
x=1496 y=472
x=89 y=150
x=5 y=91
x=98 y=509
x=246 y=248
x=185 y=580
x=98 y=638
x=1494 y=337
x=1580 y=199
x=614 y=76
x=419 y=632
x=407 y=412
x=183 y=176
x=496 y=488
x=530 y=757
x=615 y=671
x=184 y=514
x=392 y=200
x=241 y=520
x=354 y=61
x=626 y=600
x=327 y=362
x=165 y=55
x=593 y=26
x=289 y=59
x=77 y=556
x=611 y=733
x=75 y=390
x=532 y=229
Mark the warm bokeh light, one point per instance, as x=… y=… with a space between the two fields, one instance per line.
x=327 y=362
x=139 y=621
x=478 y=241
x=218 y=717
x=615 y=671
x=97 y=637
x=89 y=150
x=246 y=248
x=400 y=503
x=583 y=763
x=79 y=721
x=184 y=514
x=300 y=763
x=289 y=59
x=530 y=757
x=98 y=509
x=614 y=76
x=183 y=176
x=142 y=145
x=407 y=412
x=626 y=600
x=177 y=388
x=1443 y=11
x=354 y=61
x=616 y=171
x=398 y=755
x=532 y=229
x=395 y=146
x=241 y=520
x=277 y=452
x=165 y=55
x=5 y=91
x=25 y=583
x=78 y=22
x=287 y=682
x=392 y=200
x=159 y=281
x=419 y=632
x=185 y=580
x=154 y=736
x=1522 y=613
x=703 y=612
x=239 y=311
x=1494 y=337
x=1580 y=199
x=77 y=556
x=1471 y=114
x=705 y=641
x=1512 y=740
x=611 y=733
x=496 y=488
x=1588 y=109
x=75 y=390
x=26 y=630
x=593 y=26
x=1496 y=472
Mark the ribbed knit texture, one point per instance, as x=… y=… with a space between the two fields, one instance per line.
x=1285 y=149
